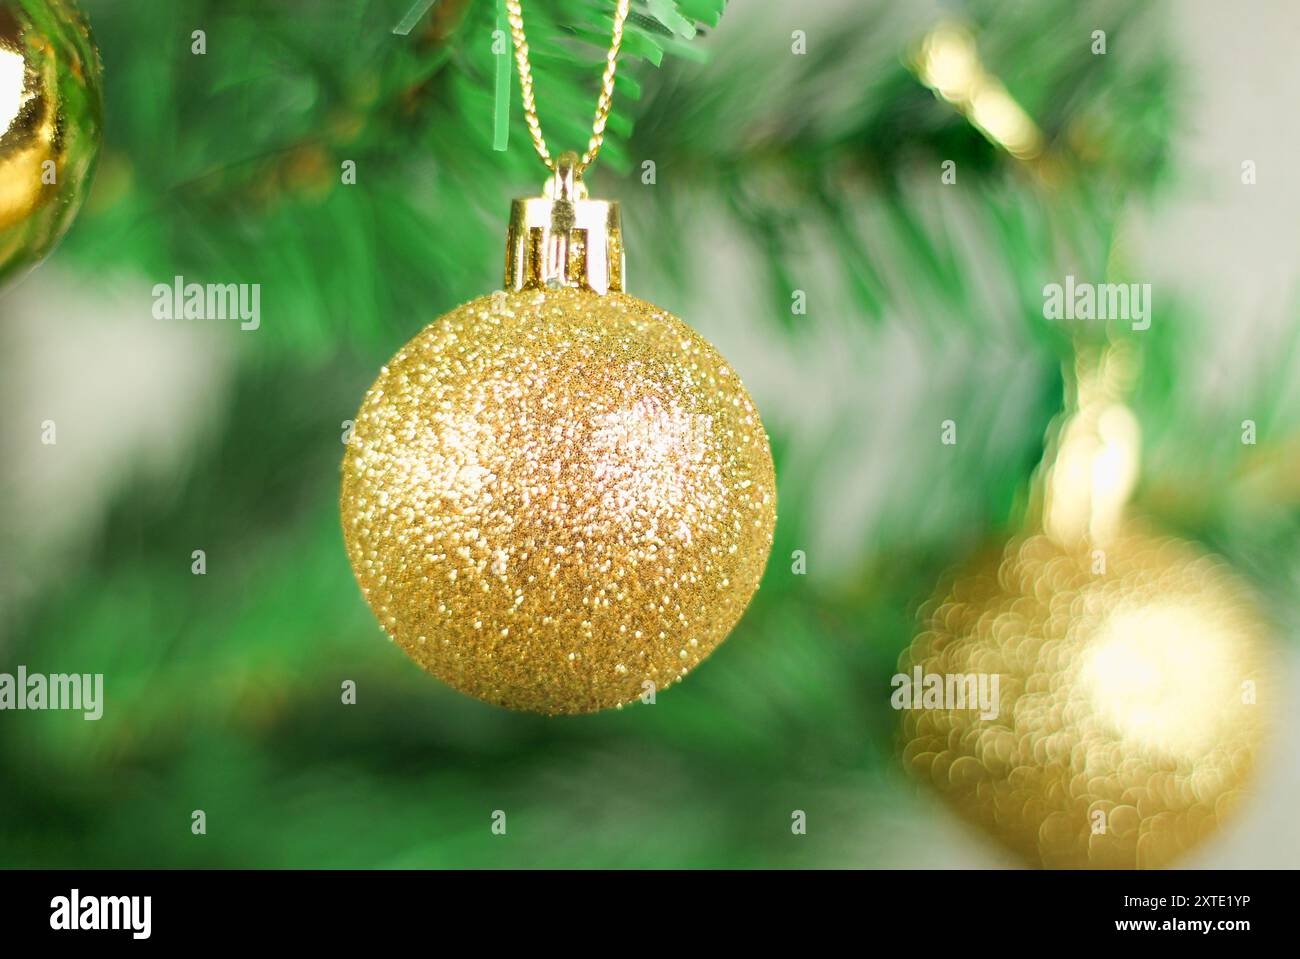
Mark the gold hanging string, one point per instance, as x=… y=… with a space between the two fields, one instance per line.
x=516 y=17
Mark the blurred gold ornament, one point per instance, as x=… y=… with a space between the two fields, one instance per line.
x=51 y=107
x=558 y=497
x=1131 y=669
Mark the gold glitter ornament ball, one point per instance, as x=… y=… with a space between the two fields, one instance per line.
x=1128 y=718
x=51 y=107
x=556 y=500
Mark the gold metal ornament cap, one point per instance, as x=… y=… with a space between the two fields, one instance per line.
x=563 y=238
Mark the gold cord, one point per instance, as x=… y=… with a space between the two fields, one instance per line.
x=516 y=17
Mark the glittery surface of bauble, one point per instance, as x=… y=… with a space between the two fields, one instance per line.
x=51 y=108
x=557 y=501
x=1132 y=699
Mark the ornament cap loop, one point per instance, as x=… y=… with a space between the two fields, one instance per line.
x=567 y=186
x=563 y=238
